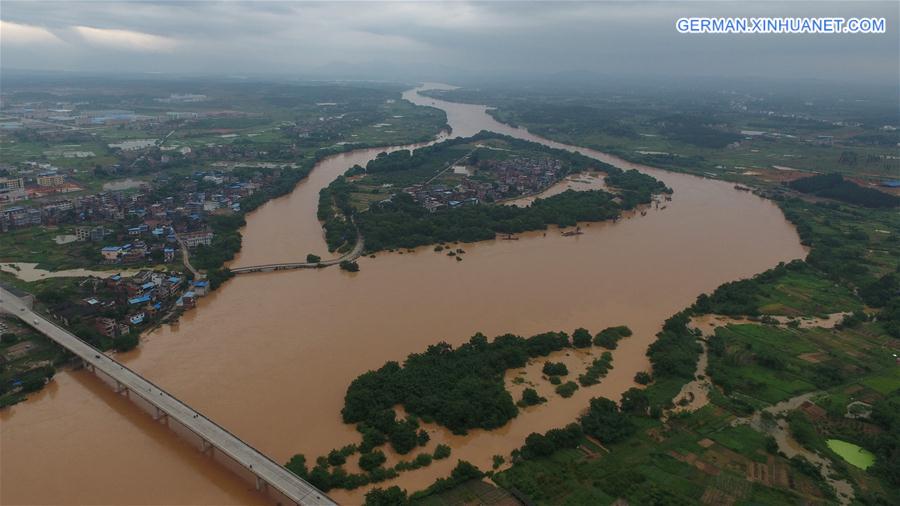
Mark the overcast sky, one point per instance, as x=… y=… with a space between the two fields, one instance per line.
x=477 y=38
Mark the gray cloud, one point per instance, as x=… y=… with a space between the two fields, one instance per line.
x=492 y=38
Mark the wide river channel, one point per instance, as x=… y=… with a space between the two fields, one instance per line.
x=270 y=355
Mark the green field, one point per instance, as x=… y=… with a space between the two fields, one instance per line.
x=772 y=364
x=654 y=467
x=667 y=130
x=36 y=244
x=806 y=293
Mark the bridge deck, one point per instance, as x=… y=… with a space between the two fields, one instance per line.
x=262 y=466
x=355 y=253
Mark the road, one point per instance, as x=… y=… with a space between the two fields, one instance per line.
x=355 y=253
x=186 y=258
x=250 y=458
x=451 y=164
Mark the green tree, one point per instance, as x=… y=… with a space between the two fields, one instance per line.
x=403 y=436
x=567 y=389
x=349 y=266
x=635 y=401
x=127 y=342
x=643 y=378
x=609 y=337
x=581 y=338
x=441 y=452
x=605 y=422
x=297 y=465
x=555 y=369
x=530 y=397
x=336 y=458
x=393 y=496
x=371 y=460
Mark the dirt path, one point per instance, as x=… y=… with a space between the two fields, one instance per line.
x=695 y=394
x=186 y=258
x=708 y=323
x=780 y=431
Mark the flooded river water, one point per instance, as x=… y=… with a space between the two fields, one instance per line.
x=270 y=355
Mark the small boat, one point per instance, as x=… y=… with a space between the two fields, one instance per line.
x=510 y=237
x=570 y=233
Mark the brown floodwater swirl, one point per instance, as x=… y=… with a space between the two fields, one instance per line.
x=270 y=355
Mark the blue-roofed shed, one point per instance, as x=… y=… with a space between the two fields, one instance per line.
x=143 y=299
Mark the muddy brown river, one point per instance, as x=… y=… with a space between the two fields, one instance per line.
x=270 y=355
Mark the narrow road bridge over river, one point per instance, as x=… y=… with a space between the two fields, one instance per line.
x=271 y=479
x=353 y=254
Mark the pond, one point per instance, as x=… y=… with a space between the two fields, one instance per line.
x=856 y=455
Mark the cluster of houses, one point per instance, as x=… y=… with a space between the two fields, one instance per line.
x=440 y=196
x=221 y=193
x=117 y=304
x=494 y=180
x=523 y=175
x=35 y=180
x=75 y=210
x=156 y=222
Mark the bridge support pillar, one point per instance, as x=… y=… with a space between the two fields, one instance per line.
x=160 y=415
x=260 y=484
x=205 y=446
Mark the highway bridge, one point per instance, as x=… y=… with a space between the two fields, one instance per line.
x=271 y=479
x=355 y=253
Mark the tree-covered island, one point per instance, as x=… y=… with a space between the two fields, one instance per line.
x=459 y=388
x=455 y=191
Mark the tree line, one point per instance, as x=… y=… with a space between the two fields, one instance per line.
x=459 y=388
x=834 y=186
x=403 y=223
